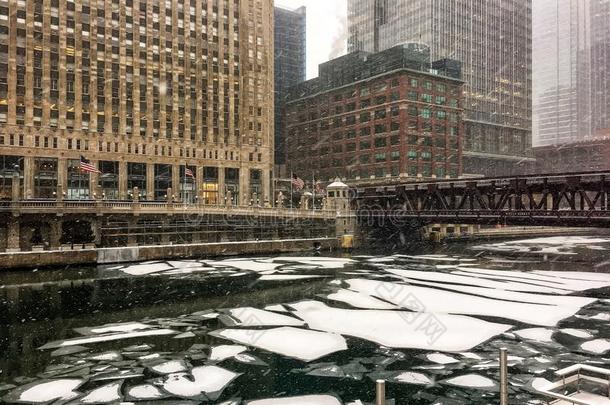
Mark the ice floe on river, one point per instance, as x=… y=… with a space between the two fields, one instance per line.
x=453 y=310
x=447 y=302
x=400 y=329
x=287 y=341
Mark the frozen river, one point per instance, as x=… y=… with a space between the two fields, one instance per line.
x=308 y=329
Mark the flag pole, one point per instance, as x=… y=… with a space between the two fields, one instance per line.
x=313 y=190
x=291 y=187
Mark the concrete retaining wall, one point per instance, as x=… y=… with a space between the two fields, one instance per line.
x=141 y=253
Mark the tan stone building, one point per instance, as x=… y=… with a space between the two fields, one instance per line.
x=144 y=89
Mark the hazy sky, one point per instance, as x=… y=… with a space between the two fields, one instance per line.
x=326 y=30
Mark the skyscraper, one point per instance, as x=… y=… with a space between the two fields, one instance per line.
x=144 y=90
x=290 y=64
x=571 y=55
x=600 y=67
x=492 y=39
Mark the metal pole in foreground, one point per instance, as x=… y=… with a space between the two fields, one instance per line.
x=380 y=387
x=503 y=376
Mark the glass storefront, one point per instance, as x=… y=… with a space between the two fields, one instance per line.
x=187 y=185
x=209 y=187
x=163 y=181
x=109 y=179
x=45 y=178
x=9 y=165
x=136 y=177
x=78 y=181
x=232 y=184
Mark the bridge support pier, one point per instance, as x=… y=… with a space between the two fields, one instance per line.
x=55 y=234
x=13 y=235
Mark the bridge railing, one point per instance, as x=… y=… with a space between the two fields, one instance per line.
x=153 y=207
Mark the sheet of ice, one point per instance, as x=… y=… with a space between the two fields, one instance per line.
x=602 y=316
x=411 y=377
x=104 y=394
x=549 y=281
x=579 y=333
x=169 y=367
x=248 y=316
x=107 y=356
x=276 y=308
x=474 y=281
x=45 y=391
x=107 y=338
x=423 y=299
x=302 y=344
x=223 y=352
x=603 y=278
x=559 y=300
x=143 y=269
x=560 y=241
x=538 y=334
x=112 y=327
x=472 y=356
x=288 y=277
x=440 y=358
x=597 y=346
x=401 y=329
x=245 y=264
x=359 y=300
x=208 y=380
x=145 y=392
x=305 y=400
x=471 y=381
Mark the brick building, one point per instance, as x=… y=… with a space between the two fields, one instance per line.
x=583 y=156
x=143 y=89
x=377 y=116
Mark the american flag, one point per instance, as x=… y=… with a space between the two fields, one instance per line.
x=188 y=172
x=297 y=182
x=86 y=166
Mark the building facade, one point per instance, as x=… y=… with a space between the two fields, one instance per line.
x=290 y=63
x=492 y=39
x=585 y=156
x=600 y=67
x=147 y=90
x=571 y=48
x=377 y=117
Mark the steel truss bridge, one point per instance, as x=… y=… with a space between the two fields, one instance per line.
x=565 y=199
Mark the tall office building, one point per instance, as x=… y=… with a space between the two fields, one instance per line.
x=492 y=39
x=571 y=55
x=144 y=89
x=290 y=64
x=600 y=67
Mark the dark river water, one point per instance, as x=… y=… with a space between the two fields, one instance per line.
x=311 y=329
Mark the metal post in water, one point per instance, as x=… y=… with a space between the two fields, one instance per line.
x=503 y=376
x=380 y=387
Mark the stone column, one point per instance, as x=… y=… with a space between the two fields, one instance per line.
x=13 y=235
x=244 y=186
x=221 y=185
x=150 y=181
x=199 y=183
x=28 y=177
x=16 y=191
x=132 y=240
x=176 y=182
x=94 y=190
x=55 y=234
x=265 y=197
x=123 y=180
x=62 y=177
x=96 y=230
